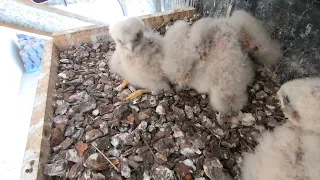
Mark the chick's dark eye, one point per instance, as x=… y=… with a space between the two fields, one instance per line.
x=286 y=99
x=138 y=36
x=119 y=40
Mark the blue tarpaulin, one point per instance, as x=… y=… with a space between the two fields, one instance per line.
x=31 y=50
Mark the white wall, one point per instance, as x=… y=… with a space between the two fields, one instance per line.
x=10 y=77
x=11 y=67
x=106 y=11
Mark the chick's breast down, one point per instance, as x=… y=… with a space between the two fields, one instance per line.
x=139 y=55
x=226 y=70
x=292 y=151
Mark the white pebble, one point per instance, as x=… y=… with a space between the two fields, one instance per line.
x=95 y=112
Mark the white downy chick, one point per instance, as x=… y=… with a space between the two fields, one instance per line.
x=222 y=69
x=139 y=55
x=292 y=151
x=179 y=55
x=256 y=39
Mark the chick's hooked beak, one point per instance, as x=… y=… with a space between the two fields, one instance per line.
x=131 y=47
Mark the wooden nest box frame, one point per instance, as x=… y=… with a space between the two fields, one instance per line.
x=38 y=147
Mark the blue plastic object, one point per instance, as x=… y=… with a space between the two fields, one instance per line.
x=31 y=51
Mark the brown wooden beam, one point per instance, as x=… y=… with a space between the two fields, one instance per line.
x=60 y=11
x=63 y=40
x=26 y=29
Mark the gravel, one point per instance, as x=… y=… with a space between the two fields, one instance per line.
x=171 y=134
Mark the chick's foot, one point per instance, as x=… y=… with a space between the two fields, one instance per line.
x=123 y=85
x=136 y=94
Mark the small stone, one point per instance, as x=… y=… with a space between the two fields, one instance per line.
x=161 y=156
x=151 y=128
x=95 y=112
x=248 y=119
x=96 y=162
x=98 y=176
x=57 y=168
x=78 y=135
x=66 y=61
x=106 y=108
x=143 y=115
x=214 y=169
x=81 y=147
x=136 y=158
x=123 y=139
x=61 y=109
x=88 y=82
x=86 y=175
x=64 y=145
x=271 y=122
x=72 y=155
x=160 y=110
x=63 y=75
x=102 y=64
x=160 y=172
x=261 y=95
x=168 y=92
x=179 y=112
x=125 y=170
x=93 y=134
x=69 y=131
x=164 y=144
x=176 y=131
x=135 y=108
x=152 y=101
x=189 y=111
x=114 y=152
x=271 y=107
x=256 y=87
x=60 y=119
x=189 y=163
x=197 y=109
x=182 y=170
x=121 y=112
x=142 y=126
x=107 y=88
x=238 y=158
x=104 y=128
x=96 y=46
x=56 y=137
x=88 y=104
x=75 y=171
x=203 y=96
x=102 y=143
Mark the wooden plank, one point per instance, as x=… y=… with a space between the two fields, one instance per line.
x=60 y=11
x=29 y=30
x=37 y=149
x=90 y=34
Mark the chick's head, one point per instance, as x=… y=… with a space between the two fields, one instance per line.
x=128 y=34
x=300 y=101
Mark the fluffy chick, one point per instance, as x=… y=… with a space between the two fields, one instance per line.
x=179 y=56
x=292 y=151
x=256 y=39
x=139 y=55
x=210 y=58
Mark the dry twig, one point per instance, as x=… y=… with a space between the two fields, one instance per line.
x=105 y=157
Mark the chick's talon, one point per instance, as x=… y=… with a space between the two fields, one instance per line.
x=136 y=94
x=123 y=85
